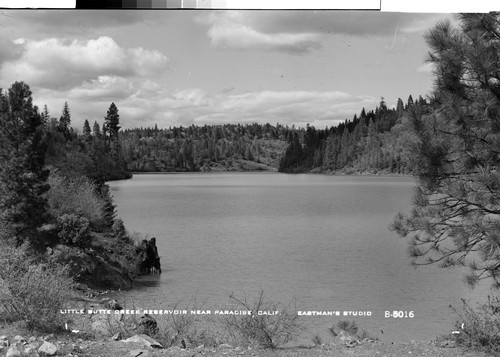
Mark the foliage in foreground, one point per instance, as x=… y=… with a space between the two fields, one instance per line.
x=456 y=211
x=265 y=331
x=31 y=291
x=479 y=328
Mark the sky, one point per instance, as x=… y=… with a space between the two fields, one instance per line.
x=174 y=68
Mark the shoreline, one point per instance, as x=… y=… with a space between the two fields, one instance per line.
x=271 y=171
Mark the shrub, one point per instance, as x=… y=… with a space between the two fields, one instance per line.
x=33 y=292
x=479 y=328
x=267 y=331
x=75 y=196
x=182 y=330
x=119 y=230
x=74 y=230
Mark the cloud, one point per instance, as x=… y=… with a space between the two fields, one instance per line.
x=423 y=24
x=62 y=64
x=228 y=30
x=9 y=50
x=289 y=107
x=300 y=32
x=104 y=88
x=426 y=68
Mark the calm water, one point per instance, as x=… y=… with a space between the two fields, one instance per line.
x=323 y=240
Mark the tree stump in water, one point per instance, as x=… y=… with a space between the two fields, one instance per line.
x=149 y=260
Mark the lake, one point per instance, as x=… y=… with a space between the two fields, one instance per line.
x=321 y=239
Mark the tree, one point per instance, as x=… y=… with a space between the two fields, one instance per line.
x=45 y=114
x=96 y=129
x=455 y=219
x=65 y=120
x=86 y=128
x=111 y=122
x=23 y=178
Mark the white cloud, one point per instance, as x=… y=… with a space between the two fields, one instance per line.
x=425 y=23
x=300 y=32
x=61 y=64
x=426 y=68
x=229 y=30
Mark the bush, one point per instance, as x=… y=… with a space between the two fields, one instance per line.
x=74 y=230
x=33 y=292
x=119 y=230
x=186 y=330
x=479 y=328
x=75 y=196
x=266 y=331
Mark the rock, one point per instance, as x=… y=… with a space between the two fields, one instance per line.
x=32 y=339
x=49 y=337
x=225 y=345
x=117 y=337
x=147 y=325
x=29 y=349
x=101 y=328
x=112 y=304
x=137 y=353
x=77 y=349
x=149 y=260
x=448 y=344
x=13 y=352
x=47 y=349
x=348 y=339
x=19 y=338
x=145 y=340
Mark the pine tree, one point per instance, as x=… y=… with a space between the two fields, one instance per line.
x=86 y=128
x=109 y=212
x=65 y=120
x=400 y=107
x=45 y=115
x=111 y=123
x=456 y=211
x=23 y=177
x=96 y=129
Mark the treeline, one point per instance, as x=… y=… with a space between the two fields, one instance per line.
x=195 y=148
x=95 y=153
x=374 y=141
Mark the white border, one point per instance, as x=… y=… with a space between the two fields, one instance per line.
x=385 y=5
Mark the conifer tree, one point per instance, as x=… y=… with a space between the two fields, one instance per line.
x=45 y=114
x=456 y=214
x=111 y=124
x=23 y=178
x=65 y=120
x=96 y=129
x=86 y=128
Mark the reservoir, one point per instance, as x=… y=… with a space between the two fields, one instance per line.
x=322 y=241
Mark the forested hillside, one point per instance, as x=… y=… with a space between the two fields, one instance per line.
x=228 y=147
x=375 y=141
